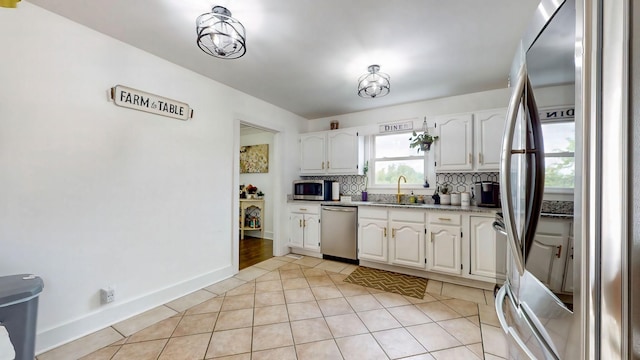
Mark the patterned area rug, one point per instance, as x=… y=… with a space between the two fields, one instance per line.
x=388 y=281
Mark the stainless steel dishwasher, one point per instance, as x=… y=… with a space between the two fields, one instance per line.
x=339 y=233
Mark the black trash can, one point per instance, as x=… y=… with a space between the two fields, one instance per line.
x=19 y=311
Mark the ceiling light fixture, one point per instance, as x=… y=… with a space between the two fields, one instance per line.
x=374 y=84
x=220 y=35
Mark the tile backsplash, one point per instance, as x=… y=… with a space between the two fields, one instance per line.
x=463 y=182
x=353 y=185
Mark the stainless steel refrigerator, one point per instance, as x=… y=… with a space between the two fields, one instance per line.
x=594 y=46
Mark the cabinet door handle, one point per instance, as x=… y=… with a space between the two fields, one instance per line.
x=385 y=232
x=323 y=165
x=559 y=251
x=304 y=223
x=303 y=209
x=470 y=158
x=480 y=158
x=393 y=233
x=300 y=222
x=328 y=162
x=444 y=219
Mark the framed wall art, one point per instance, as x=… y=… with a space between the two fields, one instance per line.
x=254 y=159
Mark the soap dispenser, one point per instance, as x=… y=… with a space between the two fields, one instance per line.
x=412 y=198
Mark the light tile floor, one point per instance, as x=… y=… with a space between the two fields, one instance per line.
x=287 y=308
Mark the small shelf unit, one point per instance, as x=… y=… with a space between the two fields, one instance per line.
x=251 y=216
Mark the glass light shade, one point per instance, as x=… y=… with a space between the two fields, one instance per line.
x=220 y=35
x=374 y=84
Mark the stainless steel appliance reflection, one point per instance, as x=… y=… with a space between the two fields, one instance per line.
x=534 y=318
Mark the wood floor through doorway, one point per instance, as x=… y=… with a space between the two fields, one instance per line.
x=254 y=250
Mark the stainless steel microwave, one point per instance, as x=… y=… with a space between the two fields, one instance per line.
x=312 y=190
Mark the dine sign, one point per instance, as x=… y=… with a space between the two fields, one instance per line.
x=139 y=100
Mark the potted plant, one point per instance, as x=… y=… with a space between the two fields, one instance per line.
x=422 y=141
x=445 y=196
x=251 y=191
x=365 y=170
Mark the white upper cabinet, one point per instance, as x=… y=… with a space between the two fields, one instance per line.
x=336 y=152
x=312 y=149
x=454 y=150
x=469 y=141
x=488 y=129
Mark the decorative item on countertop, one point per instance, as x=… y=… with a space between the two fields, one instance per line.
x=424 y=140
x=455 y=198
x=445 y=197
x=465 y=199
x=365 y=170
x=335 y=191
x=436 y=196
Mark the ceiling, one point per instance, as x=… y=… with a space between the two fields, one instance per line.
x=306 y=55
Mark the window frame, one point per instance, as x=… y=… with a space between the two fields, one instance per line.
x=426 y=157
x=559 y=154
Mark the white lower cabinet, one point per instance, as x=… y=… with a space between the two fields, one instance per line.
x=462 y=244
x=372 y=234
x=444 y=249
x=567 y=284
x=393 y=237
x=488 y=249
x=406 y=247
x=304 y=227
x=548 y=254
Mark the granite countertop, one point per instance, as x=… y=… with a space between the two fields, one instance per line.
x=473 y=208
x=556 y=216
x=476 y=209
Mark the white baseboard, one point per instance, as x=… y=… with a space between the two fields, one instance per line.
x=53 y=337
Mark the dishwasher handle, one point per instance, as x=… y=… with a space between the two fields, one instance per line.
x=339 y=208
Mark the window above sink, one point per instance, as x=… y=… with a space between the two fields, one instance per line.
x=390 y=156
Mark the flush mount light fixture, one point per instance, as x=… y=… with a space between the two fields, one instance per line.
x=220 y=35
x=9 y=3
x=374 y=84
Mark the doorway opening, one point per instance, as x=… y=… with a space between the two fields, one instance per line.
x=257 y=189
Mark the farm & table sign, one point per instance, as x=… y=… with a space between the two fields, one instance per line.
x=139 y=100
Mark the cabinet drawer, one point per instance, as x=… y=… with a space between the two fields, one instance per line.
x=372 y=213
x=305 y=208
x=445 y=218
x=416 y=216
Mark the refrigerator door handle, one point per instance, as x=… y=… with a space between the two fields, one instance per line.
x=500 y=297
x=505 y=170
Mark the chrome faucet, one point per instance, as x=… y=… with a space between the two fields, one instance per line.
x=399 y=194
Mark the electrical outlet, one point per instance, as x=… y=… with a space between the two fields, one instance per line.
x=108 y=294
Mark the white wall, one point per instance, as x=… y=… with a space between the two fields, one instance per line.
x=93 y=195
x=418 y=110
x=264 y=181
